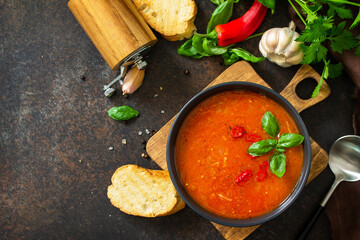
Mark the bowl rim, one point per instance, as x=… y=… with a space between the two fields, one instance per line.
x=193 y=102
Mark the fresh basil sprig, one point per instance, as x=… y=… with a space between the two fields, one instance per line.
x=277 y=161
x=277 y=164
x=205 y=45
x=262 y=147
x=122 y=113
x=270 y=124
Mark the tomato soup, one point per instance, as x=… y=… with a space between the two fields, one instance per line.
x=210 y=160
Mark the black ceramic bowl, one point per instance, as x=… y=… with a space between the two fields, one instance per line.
x=171 y=161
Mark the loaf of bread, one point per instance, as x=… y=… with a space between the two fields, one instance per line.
x=174 y=19
x=144 y=192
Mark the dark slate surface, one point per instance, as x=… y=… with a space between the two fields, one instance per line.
x=55 y=133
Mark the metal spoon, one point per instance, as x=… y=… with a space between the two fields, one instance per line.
x=344 y=162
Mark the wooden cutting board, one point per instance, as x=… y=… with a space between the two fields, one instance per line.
x=242 y=71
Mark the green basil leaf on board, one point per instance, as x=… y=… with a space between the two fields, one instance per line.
x=288 y=140
x=122 y=113
x=221 y=15
x=262 y=147
x=270 y=124
x=188 y=50
x=277 y=164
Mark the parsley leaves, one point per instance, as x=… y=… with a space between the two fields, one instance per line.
x=320 y=29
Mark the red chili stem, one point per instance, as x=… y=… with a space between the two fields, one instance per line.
x=241 y=28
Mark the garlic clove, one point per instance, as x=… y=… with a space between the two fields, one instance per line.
x=296 y=58
x=272 y=39
x=284 y=39
x=133 y=80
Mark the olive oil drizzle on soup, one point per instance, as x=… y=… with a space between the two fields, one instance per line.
x=209 y=160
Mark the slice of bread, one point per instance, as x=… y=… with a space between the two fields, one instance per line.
x=144 y=192
x=174 y=19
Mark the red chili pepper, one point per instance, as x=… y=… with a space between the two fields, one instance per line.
x=262 y=173
x=244 y=176
x=241 y=28
x=252 y=138
x=237 y=132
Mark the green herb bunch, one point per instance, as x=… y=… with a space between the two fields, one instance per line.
x=205 y=45
x=277 y=161
x=320 y=28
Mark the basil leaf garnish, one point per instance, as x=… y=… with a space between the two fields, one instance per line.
x=270 y=124
x=221 y=15
x=278 y=164
x=261 y=147
x=289 y=140
x=187 y=49
x=122 y=113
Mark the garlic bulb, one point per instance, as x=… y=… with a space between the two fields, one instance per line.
x=133 y=80
x=280 y=47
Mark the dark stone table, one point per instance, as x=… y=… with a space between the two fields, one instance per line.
x=55 y=132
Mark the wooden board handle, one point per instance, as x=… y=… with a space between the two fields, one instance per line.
x=114 y=26
x=289 y=92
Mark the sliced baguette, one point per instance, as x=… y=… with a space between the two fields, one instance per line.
x=144 y=192
x=174 y=19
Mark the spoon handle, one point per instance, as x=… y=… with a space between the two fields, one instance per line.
x=310 y=224
x=306 y=231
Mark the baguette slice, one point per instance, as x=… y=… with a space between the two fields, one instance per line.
x=174 y=19
x=144 y=192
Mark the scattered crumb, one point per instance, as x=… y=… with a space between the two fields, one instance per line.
x=144 y=155
x=187 y=72
x=161 y=88
x=156 y=95
x=80 y=160
x=147 y=131
x=123 y=141
x=140 y=133
x=162 y=111
x=111 y=148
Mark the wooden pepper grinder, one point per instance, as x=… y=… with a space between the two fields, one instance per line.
x=117 y=30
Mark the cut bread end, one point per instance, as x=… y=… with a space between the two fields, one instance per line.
x=174 y=20
x=144 y=192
